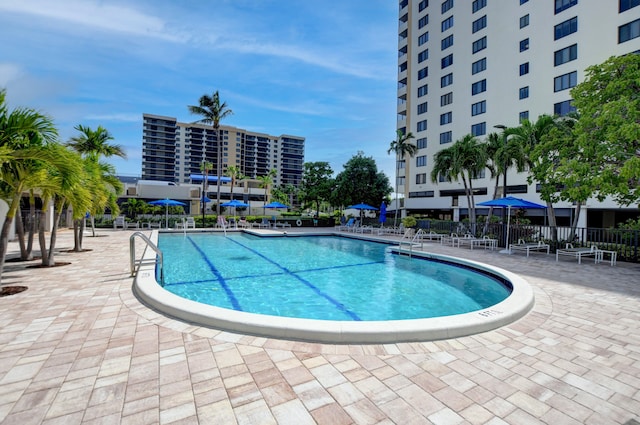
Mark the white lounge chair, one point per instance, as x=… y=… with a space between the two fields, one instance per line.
x=578 y=253
x=120 y=222
x=529 y=246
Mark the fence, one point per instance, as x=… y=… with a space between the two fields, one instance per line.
x=624 y=242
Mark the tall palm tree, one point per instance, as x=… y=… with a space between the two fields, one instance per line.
x=233 y=171
x=401 y=147
x=266 y=182
x=92 y=145
x=213 y=111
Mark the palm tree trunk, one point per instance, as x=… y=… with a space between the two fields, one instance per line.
x=574 y=222
x=6 y=226
x=32 y=227
x=54 y=233
x=44 y=258
x=495 y=196
x=552 y=221
x=395 y=215
x=20 y=234
x=76 y=236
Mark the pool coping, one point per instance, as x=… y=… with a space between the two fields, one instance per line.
x=514 y=307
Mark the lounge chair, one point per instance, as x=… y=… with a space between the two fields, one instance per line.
x=578 y=253
x=243 y=223
x=348 y=225
x=189 y=222
x=529 y=246
x=432 y=236
x=264 y=224
x=222 y=223
x=120 y=222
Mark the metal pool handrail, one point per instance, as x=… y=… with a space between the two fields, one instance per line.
x=132 y=253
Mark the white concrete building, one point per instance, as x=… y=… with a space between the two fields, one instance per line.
x=469 y=66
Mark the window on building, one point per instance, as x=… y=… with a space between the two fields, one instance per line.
x=423 y=73
x=565 y=28
x=421 y=161
x=422 y=125
x=423 y=55
x=446 y=99
x=446 y=137
x=479 y=108
x=624 y=5
x=446 y=5
x=422 y=177
x=479 y=24
x=446 y=42
x=401 y=164
x=479 y=129
x=566 y=81
x=423 y=38
x=400 y=180
x=524 y=68
x=524 y=45
x=479 y=44
x=565 y=55
x=478 y=87
x=423 y=5
x=446 y=118
x=402 y=67
x=563 y=108
x=422 y=108
x=423 y=90
x=476 y=175
x=421 y=143
x=524 y=92
x=446 y=24
x=422 y=22
x=629 y=31
x=477 y=5
x=446 y=80
x=479 y=66
x=564 y=5
x=524 y=115
x=446 y=61
x=524 y=21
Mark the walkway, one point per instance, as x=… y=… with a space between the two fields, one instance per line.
x=78 y=347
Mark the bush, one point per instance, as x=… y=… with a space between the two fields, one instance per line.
x=409 y=221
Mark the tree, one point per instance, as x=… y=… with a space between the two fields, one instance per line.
x=401 y=147
x=607 y=132
x=360 y=181
x=24 y=136
x=464 y=160
x=317 y=183
x=233 y=171
x=266 y=182
x=213 y=111
x=92 y=145
x=132 y=207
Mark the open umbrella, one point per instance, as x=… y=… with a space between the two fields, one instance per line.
x=383 y=213
x=510 y=202
x=166 y=203
x=362 y=207
x=275 y=205
x=234 y=203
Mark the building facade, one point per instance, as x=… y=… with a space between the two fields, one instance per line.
x=473 y=67
x=173 y=151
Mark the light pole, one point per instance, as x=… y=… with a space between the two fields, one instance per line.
x=504 y=173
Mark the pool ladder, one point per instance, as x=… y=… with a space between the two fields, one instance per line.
x=132 y=253
x=413 y=242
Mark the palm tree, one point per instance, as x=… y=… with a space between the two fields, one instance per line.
x=233 y=171
x=401 y=147
x=92 y=145
x=24 y=136
x=266 y=182
x=213 y=111
x=464 y=160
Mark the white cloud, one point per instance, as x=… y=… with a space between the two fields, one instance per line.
x=97 y=15
x=9 y=72
x=133 y=117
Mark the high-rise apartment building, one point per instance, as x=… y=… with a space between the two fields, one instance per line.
x=471 y=67
x=172 y=151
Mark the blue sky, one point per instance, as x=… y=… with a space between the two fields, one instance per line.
x=325 y=70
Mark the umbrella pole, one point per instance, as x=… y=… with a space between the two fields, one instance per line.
x=506 y=249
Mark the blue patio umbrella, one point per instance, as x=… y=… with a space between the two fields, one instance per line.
x=509 y=202
x=276 y=205
x=362 y=207
x=383 y=213
x=167 y=203
x=234 y=203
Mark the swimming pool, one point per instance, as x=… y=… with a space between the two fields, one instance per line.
x=320 y=279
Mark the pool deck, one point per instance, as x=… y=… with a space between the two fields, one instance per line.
x=78 y=347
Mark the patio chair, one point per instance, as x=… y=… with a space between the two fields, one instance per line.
x=264 y=224
x=529 y=246
x=348 y=225
x=221 y=223
x=578 y=253
x=120 y=222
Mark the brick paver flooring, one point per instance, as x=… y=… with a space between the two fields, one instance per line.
x=78 y=347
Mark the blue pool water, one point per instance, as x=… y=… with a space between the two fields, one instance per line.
x=320 y=277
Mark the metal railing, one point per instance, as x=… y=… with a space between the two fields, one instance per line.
x=623 y=241
x=132 y=253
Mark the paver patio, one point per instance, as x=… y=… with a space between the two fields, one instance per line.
x=78 y=347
